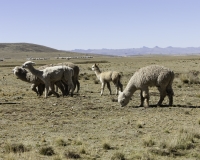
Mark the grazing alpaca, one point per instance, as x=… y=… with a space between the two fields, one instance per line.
x=153 y=75
x=107 y=77
x=37 y=84
x=50 y=75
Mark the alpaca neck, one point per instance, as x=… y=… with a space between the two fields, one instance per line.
x=35 y=72
x=130 y=89
x=97 y=72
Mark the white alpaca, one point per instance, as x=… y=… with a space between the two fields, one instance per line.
x=50 y=75
x=74 y=77
x=153 y=75
x=107 y=77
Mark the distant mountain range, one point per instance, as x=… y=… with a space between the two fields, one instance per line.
x=143 y=51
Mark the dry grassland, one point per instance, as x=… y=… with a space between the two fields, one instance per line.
x=88 y=126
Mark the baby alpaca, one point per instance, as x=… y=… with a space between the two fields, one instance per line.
x=107 y=77
x=153 y=75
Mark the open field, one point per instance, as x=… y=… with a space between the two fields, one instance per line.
x=89 y=126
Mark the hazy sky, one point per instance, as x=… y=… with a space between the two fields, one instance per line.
x=96 y=24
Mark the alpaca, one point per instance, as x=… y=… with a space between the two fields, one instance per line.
x=74 y=77
x=107 y=77
x=50 y=75
x=37 y=84
x=153 y=75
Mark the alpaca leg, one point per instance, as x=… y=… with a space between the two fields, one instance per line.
x=46 y=90
x=41 y=88
x=78 y=85
x=142 y=99
x=102 y=88
x=53 y=90
x=71 y=87
x=65 y=86
x=74 y=82
x=60 y=86
x=162 y=95
x=170 y=94
x=108 y=86
x=33 y=87
x=69 y=81
x=120 y=86
x=145 y=95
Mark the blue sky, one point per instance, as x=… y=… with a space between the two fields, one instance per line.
x=96 y=24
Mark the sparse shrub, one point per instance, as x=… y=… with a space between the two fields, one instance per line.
x=198 y=95
x=86 y=78
x=16 y=148
x=89 y=68
x=106 y=146
x=185 y=81
x=148 y=141
x=118 y=156
x=78 y=142
x=96 y=81
x=163 y=144
x=82 y=150
x=71 y=154
x=187 y=112
x=47 y=151
x=179 y=86
x=167 y=131
x=114 y=99
x=61 y=142
x=57 y=158
x=140 y=124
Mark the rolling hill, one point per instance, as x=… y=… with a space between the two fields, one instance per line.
x=25 y=50
x=24 y=47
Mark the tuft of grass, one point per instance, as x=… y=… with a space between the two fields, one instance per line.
x=179 y=86
x=187 y=112
x=148 y=141
x=198 y=95
x=140 y=124
x=15 y=148
x=118 y=156
x=61 y=142
x=47 y=151
x=106 y=146
x=96 y=81
x=72 y=155
x=82 y=150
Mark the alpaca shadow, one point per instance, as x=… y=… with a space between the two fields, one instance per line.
x=167 y=106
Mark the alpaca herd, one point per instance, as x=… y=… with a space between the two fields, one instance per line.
x=65 y=77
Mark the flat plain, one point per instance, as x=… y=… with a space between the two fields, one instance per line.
x=90 y=126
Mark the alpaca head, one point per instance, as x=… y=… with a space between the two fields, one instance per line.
x=122 y=99
x=95 y=67
x=28 y=64
x=19 y=70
